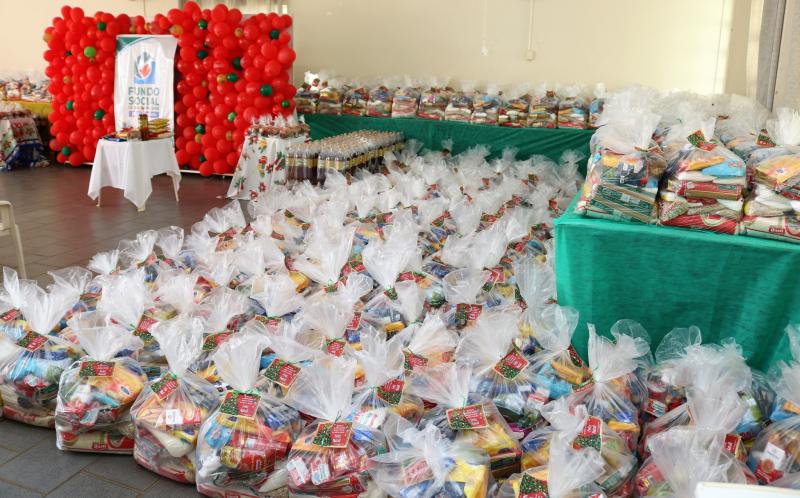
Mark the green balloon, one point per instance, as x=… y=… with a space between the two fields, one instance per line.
x=66 y=150
x=202 y=158
x=89 y=52
x=237 y=63
x=68 y=53
x=101 y=26
x=231 y=116
x=232 y=77
x=201 y=128
x=285 y=104
x=70 y=105
x=202 y=24
x=202 y=54
x=274 y=34
x=266 y=90
x=98 y=114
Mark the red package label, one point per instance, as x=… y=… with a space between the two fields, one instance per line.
x=32 y=341
x=764 y=140
x=699 y=140
x=391 y=392
x=289 y=262
x=735 y=446
x=9 y=315
x=96 y=369
x=532 y=487
x=468 y=311
x=512 y=364
x=591 y=435
x=497 y=275
x=282 y=373
x=335 y=347
x=211 y=342
x=468 y=417
x=413 y=361
x=574 y=357
x=142 y=330
x=416 y=472
x=333 y=434
x=354 y=322
x=240 y=404
x=269 y=321
x=411 y=275
x=165 y=386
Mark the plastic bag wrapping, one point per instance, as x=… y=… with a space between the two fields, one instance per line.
x=501 y=371
x=175 y=289
x=433 y=100
x=74 y=281
x=773 y=210
x=406 y=99
x=242 y=446
x=702 y=174
x=331 y=455
x=225 y=223
x=290 y=350
x=139 y=253
x=329 y=317
x=307 y=96
x=31 y=360
x=462 y=291
x=624 y=168
x=168 y=414
x=514 y=107
x=12 y=299
x=685 y=456
x=380 y=100
x=384 y=389
x=422 y=463
x=355 y=100
x=216 y=271
x=568 y=473
x=427 y=344
x=95 y=393
x=614 y=390
x=597 y=105
x=536 y=282
x=544 y=108
x=742 y=132
x=199 y=245
x=251 y=259
x=463 y=416
x=557 y=365
x=459 y=108
x=331 y=94
x=170 y=241
x=279 y=296
x=583 y=431
x=486 y=106
x=573 y=108
x=325 y=255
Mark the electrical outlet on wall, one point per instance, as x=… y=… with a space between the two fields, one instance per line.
x=484 y=50
x=530 y=55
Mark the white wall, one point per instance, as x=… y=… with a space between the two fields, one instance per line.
x=689 y=44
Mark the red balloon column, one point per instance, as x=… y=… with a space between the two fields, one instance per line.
x=229 y=71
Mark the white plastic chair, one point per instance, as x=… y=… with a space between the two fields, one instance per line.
x=9 y=227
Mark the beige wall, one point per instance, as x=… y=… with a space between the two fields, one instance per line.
x=698 y=45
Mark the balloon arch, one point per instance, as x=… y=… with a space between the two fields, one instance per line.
x=229 y=70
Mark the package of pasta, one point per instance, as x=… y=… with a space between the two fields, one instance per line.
x=596 y=105
x=433 y=100
x=243 y=444
x=423 y=462
x=36 y=356
x=614 y=389
x=486 y=106
x=583 y=431
x=384 y=389
x=683 y=457
x=380 y=100
x=573 y=107
x=355 y=100
x=501 y=372
x=543 y=112
x=466 y=416
x=569 y=472
x=96 y=392
x=624 y=169
x=558 y=367
x=170 y=410
x=331 y=94
x=514 y=108
x=406 y=100
x=331 y=455
x=459 y=108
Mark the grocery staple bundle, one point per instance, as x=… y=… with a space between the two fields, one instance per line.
x=742 y=131
x=331 y=95
x=380 y=101
x=597 y=105
x=773 y=208
x=355 y=100
x=459 y=108
x=406 y=100
x=307 y=96
x=544 y=108
x=433 y=100
x=705 y=182
x=573 y=107
x=514 y=107
x=486 y=105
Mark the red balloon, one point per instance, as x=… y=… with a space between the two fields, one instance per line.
x=287 y=21
x=290 y=91
x=76 y=159
x=285 y=37
x=181 y=120
x=182 y=157
x=107 y=44
x=208 y=141
x=223 y=146
x=252 y=74
x=218 y=132
x=272 y=69
x=199 y=92
x=230 y=100
x=252 y=88
x=230 y=42
x=269 y=51
x=206 y=169
x=188 y=133
x=220 y=167
x=234 y=16
x=263 y=102
x=211 y=153
x=188 y=100
x=192 y=147
x=232 y=158
x=219 y=12
x=250 y=113
x=286 y=56
x=55 y=144
x=76 y=14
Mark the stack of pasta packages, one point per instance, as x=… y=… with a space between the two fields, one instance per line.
x=396 y=318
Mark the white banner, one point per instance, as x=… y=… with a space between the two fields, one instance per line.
x=143 y=79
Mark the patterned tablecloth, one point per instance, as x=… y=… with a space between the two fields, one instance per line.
x=261 y=165
x=20 y=143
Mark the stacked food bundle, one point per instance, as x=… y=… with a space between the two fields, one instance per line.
x=705 y=183
x=158 y=128
x=773 y=208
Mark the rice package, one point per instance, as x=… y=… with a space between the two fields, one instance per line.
x=169 y=412
x=95 y=393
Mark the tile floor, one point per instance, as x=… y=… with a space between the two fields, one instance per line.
x=60 y=227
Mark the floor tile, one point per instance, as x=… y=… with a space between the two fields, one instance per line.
x=6 y=455
x=19 y=437
x=8 y=490
x=166 y=487
x=87 y=486
x=44 y=467
x=122 y=469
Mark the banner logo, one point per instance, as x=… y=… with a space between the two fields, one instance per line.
x=144 y=69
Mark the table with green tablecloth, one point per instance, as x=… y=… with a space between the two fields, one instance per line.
x=664 y=277
x=528 y=141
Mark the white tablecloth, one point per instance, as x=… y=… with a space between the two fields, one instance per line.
x=130 y=166
x=261 y=165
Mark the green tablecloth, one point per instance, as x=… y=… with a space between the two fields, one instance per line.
x=664 y=277
x=528 y=141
